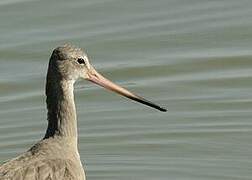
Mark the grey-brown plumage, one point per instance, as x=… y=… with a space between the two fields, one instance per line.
x=56 y=156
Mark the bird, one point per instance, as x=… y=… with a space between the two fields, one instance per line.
x=56 y=155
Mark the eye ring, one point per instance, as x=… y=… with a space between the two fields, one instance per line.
x=81 y=61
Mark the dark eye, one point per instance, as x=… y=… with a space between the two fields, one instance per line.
x=81 y=61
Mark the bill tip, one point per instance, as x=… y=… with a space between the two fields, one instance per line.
x=163 y=109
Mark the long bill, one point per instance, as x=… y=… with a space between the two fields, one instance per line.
x=97 y=78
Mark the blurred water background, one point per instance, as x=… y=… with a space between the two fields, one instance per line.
x=192 y=56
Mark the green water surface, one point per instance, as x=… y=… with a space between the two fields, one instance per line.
x=192 y=56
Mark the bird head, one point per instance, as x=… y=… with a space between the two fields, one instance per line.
x=71 y=63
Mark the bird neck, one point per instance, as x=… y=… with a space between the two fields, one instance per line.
x=61 y=108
